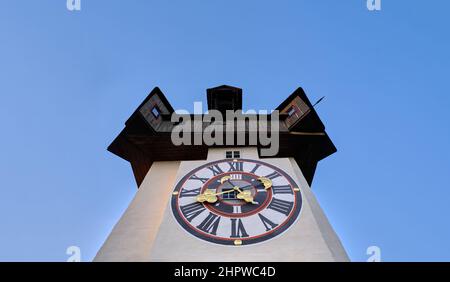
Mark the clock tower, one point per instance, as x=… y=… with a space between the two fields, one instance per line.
x=198 y=201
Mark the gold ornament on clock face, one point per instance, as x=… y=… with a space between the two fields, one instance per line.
x=236 y=202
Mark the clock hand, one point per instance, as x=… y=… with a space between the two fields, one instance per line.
x=227 y=178
x=238 y=189
x=211 y=197
x=207 y=196
x=224 y=192
x=245 y=195
x=266 y=182
x=243 y=188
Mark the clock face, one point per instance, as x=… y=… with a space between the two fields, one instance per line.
x=236 y=202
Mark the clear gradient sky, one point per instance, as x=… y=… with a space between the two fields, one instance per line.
x=69 y=80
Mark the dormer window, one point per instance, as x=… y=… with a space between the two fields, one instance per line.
x=291 y=111
x=156 y=112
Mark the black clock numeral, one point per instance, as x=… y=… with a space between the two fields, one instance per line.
x=195 y=177
x=236 y=166
x=237 y=229
x=267 y=223
x=283 y=189
x=281 y=206
x=191 y=211
x=190 y=193
x=255 y=168
x=215 y=169
x=210 y=224
x=273 y=175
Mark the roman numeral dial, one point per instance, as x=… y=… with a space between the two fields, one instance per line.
x=236 y=202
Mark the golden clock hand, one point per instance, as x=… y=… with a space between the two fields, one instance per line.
x=210 y=196
x=247 y=198
x=225 y=179
x=266 y=182
x=237 y=189
x=224 y=192
x=245 y=195
x=207 y=196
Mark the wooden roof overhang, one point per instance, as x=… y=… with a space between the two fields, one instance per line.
x=141 y=145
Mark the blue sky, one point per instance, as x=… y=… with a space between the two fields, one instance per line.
x=69 y=80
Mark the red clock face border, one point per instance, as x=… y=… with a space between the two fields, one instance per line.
x=264 y=202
